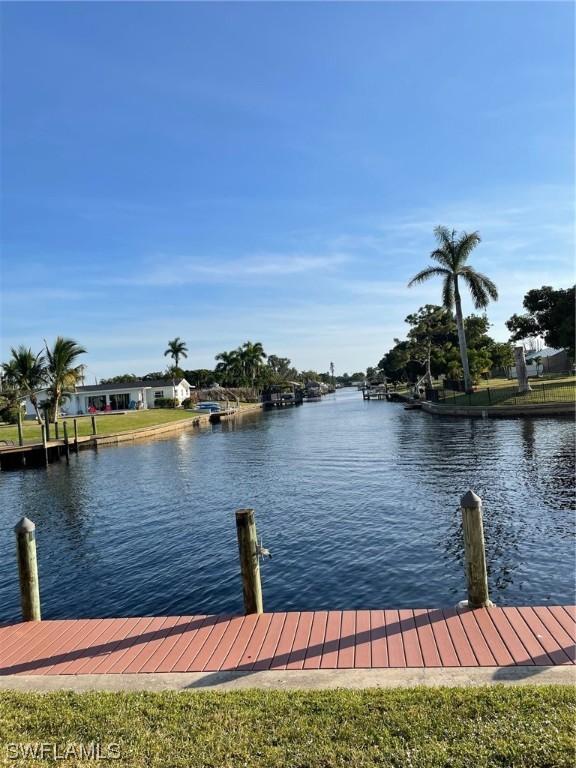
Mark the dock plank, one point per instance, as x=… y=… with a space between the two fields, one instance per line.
x=394 y=639
x=317 y=635
x=552 y=646
x=331 y=641
x=285 y=642
x=363 y=655
x=270 y=642
x=388 y=638
x=301 y=641
x=378 y=640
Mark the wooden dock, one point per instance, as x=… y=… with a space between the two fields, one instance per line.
x=368 y=639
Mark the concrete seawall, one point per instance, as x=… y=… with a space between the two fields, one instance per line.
x=34 y=454
x=198 y=420
x=498 y=412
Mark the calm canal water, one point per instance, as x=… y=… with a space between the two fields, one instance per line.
x=357 y=501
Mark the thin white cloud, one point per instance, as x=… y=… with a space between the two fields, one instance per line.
x=180 y=270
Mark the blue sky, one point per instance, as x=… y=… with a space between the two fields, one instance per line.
x=273 y=171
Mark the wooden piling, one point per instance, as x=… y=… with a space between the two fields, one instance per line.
x=94 y=427
x=44 y=443
x=66 y=443
x=474 y=546
x=20 y=433
x=28 y=570
x=47 y=426
x=56 y=431
x=249 y=561
x=75 y=436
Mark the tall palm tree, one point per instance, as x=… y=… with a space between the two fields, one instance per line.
x=176 y=349
x=27 y=373
x=62 y=373
x=230 y=367
x=252 y=356
x=452 y=255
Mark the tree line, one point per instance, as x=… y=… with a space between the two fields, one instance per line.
x=248 y=365
x=441 y=341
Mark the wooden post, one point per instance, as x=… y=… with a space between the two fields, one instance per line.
x=473 y=529
x=44 y=444
x=521 y=370
x=56 y=431
x=28 y=570
x=47 y=425
x=66 y=443
x=94 y=428
x=20 y=435
x=249 y=560
x=76 y=435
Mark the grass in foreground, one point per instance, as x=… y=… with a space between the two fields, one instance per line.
x=511 y=727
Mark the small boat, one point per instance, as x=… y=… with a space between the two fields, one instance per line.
x=208 y=407
x=415 y=405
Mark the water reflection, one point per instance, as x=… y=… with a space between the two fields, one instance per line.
x=358 y=501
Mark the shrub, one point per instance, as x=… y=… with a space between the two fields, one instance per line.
x=165 y=402
x=9 y=413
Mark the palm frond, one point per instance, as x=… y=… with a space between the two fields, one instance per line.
x=464 y=246
x=448 y=292
x=488 y=284
x=427 y=273
x=479 y=294
x=444 y=257
x=445 y=237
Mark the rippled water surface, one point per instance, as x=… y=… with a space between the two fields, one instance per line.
x=358 y=502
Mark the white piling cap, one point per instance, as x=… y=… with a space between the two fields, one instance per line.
x=25 y=525
x=470 y=499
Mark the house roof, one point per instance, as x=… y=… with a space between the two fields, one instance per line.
x=122 y=385
x=531 y=354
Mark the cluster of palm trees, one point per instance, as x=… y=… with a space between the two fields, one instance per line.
x=55 y=369
x=241 y=367
x=452 y=256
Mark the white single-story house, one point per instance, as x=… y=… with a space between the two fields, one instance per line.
x=130 y=396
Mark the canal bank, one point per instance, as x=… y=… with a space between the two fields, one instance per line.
x=499 y=411
x=41 y=454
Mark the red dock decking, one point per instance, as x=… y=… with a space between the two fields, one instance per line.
x=493 y=637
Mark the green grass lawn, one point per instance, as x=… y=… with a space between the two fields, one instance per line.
x=106 y=424
x=509 y=727
x=504 y=392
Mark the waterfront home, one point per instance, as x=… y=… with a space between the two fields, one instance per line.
x=131 y=395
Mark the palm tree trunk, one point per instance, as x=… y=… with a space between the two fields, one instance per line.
x=34 y=401
x=462 y=338
x=428 y=368
x=56 y=405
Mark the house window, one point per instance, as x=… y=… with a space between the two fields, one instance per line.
x=120 y=402
x=159 y=394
